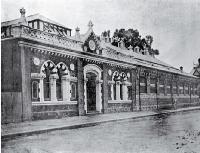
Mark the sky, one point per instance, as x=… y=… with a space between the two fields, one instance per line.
x=174 y=24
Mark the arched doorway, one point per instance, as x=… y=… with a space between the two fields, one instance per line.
x=92 y=89
x=91 y=92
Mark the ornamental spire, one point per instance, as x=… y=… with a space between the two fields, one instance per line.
x=90 y=24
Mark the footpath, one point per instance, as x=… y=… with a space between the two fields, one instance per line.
x=13 y=130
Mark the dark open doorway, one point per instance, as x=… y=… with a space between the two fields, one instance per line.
x=91 y=92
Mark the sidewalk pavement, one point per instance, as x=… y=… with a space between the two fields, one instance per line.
x=12 y=130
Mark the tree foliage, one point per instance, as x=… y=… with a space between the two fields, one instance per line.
x=133 y=38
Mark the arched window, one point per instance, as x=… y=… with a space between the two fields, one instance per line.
x=153 y=85
x=121 y=92
x=168 y=87
x=114 y=91
x=62 y=70
x=35 y=91
x=73 y=91
x=129 y=92
x=116 y=79
x=161 y=86
x=143 y=84
x=175 y=88
x=181 y=88
x=47 y=88
x=47 y=69
x=59 y=88
x=109 y=92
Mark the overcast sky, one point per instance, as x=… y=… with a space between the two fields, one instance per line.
x=174 y=24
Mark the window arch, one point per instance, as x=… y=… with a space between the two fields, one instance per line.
x=120 y=90
x=62 y=70
x=143 y=84
x=115 y=78
x=47 y=68
x=35 y=90
x=73 y=91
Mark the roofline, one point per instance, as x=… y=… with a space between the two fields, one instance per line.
x=38 y=17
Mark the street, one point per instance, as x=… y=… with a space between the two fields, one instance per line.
x=175 y=133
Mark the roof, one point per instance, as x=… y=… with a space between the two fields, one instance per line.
x=125 y=55
x=31 y=18
x=146 y=60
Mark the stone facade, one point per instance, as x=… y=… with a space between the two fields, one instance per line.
x=47 y=73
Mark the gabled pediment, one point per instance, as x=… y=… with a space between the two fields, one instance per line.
x=91 y=43
x=196 y=73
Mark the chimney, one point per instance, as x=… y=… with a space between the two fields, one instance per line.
x=181 y=68
x=23 y=12
x=23 y=18
x=77 y=34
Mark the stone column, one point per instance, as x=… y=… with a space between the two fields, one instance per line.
x=66 y=88
x=118 y=90
x=124 y=91
x=112 y=91
x=98 y=96
x=105 y=89
x=41 y=87
x=53 y=78
x=80 y=78
x=133 y=94
x=85 y=94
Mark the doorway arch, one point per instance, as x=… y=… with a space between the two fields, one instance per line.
x=92 y=80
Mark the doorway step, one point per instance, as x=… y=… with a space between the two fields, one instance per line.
x=93 y=112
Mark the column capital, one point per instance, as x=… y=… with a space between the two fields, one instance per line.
x=118 y=82
x=38 y=75
x=54 y=76
x=111 y=82
x=65 y=77
x=99 y=81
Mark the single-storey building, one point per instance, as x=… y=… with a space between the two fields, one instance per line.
x=48 y=73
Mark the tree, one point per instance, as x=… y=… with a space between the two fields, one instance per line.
x=132 y=38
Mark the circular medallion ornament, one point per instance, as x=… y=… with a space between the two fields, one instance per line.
x=72 y=67
x=36 y=61
x=92 y=45
x=128 y=75
x=110 y=72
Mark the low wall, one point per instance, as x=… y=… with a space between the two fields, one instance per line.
x=119 y=106
x=53 y=110
x=11 y=107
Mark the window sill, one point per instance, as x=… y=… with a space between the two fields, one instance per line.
x=119 y=101
x=54 y=103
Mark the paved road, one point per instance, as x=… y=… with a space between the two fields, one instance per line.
x=178 y=133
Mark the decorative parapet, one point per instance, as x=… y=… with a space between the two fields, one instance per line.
x=45 y=37
x=108 y=52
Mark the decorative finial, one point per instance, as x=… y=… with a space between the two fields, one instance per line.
x=90 y=24
x=77 y=34
x=181 y=68
x=77 y=29
x=23 y=12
